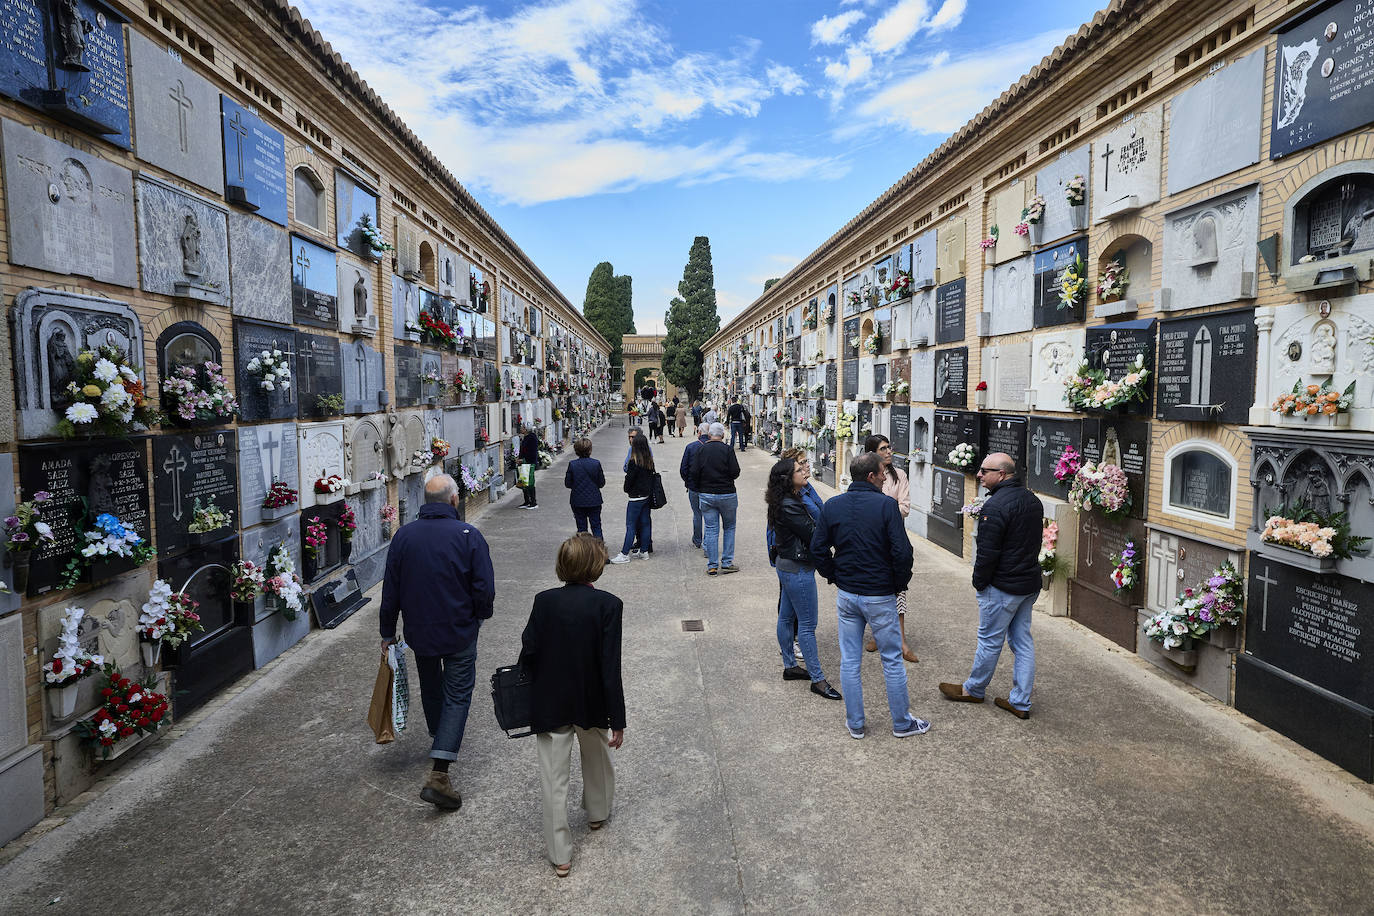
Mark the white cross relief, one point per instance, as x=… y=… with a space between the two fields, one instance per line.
x=1039 y=441
x=269 y=443
x=1264 y=606
x=1090 y=532
x=174 y=465
x=183 y=104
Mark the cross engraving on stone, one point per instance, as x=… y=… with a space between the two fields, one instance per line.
x=1202 y=367
x=303 y=262
x=1039 y=441
x=174 y=465
x=1163 y=559
x=1264 y=606
x=183 y=104
x=271 y=463
x=1106 y=165
x=240 y=131
x=361 y=360
x=1090 y=533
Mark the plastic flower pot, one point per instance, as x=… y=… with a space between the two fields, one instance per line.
x=151 y=652
x=279 y=512
x=1302 y=559
x=62 y=700
x=1078 y=216
x=325 y=499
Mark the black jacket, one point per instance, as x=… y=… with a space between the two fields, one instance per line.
x=872 y=555
x=792 y=534
x=685 y=467
x=1009 y=533
x=735 y=413
x=529 y=449
x=638 y=481
x=714 y=468
x=571 y=650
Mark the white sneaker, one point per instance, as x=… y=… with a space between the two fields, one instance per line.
x=620 y=558
x=634 y=554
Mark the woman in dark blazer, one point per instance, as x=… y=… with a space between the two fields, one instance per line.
x=639 y=487
x=571 y=652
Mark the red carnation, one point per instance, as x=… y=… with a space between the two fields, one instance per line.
x=57 y=666
x=106 y=692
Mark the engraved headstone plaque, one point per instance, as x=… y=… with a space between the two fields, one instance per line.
x=254 y=162
x=1207 y=367
x=314 y=284
x=188 y=470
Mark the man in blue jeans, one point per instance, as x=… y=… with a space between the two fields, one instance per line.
x=735 y=414
x=1006 y=578
x=685 y=470
x=713 y=475
x=861 y=545
x=439 y=577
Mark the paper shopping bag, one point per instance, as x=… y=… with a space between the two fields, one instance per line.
x=379 y=714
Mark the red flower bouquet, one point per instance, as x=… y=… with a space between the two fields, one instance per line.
x=127 y=710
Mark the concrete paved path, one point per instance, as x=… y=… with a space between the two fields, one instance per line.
x=736 y=792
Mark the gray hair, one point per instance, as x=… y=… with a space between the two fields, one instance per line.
x=865 y=464
x=441 y=488
x=717 y=431
x=704 y=429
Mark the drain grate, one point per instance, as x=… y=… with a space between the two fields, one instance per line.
x=694 y=626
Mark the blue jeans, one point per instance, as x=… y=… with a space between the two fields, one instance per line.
x=638 y=526
x=590 y=514
x=446 y=694
x=797 y=613
x=1004 y=618
x=736 y=432
x=717 y=514
x=696 y=517
x=879 y=613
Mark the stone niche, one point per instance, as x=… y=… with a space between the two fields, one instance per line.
x=1093 y=599
x=355 y=205
x=920 y=468
x=68 y=212
x=364 y=378
x=1136 y=254
x=259 y=269
x=951 y=240
x=186 y=344
x=1126 y=444
x=1328 y=231
x=267 y=454
x=1214 y=125
x=1050 y=265
x=176 y=115
x=951 y=307
x=318 y=373
x=1004 y=212
x=1333 y=343
x=1007 y=370
x=190 y=470
x=922 y=319
x=1008 y=298
x=922 y=377
x=358 y=312
x=1055 y=356
x=51 y=328
x=321 y=450
x=273 y=634
x=183 y=243
x=251 y=338
x=1200 y=482
x=951 y=377
x=1209 y=252
x=365 y=453
x=1206 y=367
x=314 y=284
x=21 y=764
x=1126 y=165
x=1060 y=219
x=254 y=162
x=923 y=256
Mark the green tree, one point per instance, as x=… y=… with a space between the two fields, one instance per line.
x=769 y=282
x=691 y=320
x=601 y=306
x=625 y=304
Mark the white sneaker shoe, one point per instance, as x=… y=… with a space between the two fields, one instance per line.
x=634 y=554
x=620 y=558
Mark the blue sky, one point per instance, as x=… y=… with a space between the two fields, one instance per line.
x=618 y=130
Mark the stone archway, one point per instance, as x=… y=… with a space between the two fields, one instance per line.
x=642 y=355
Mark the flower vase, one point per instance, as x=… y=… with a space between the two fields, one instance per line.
x=1078 y=215
x=20 y=559
x=62 y=700
x=1184 y=656
x=1302 y=559
x=325 y=499
x=278 y=512
x=151 y=651
x=386 y=531
x=345 y=549
x=309 y=567
x=980 y=399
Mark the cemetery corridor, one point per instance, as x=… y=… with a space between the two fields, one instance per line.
x=736 y=791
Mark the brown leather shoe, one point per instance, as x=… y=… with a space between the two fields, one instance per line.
x=956 y=693
x=439 y=793
x=1003 y=704
x=909 y=655
x=871 y=645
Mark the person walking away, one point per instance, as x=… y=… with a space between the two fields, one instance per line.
x=680 y=418
x=735 y=414
x=710 y=416
x=697 y=410
x=656 y=421
x=713 y=475
x=895 y=484
x=571 y=652
x=861 y=546
x=793 y=524
x=685 y=471
x=439 y=579
x=585 y=479
x=639 y=486
x=629 y=450
x=529 y=454
x=748 y=421
x=1006 y=579
x=670 y=412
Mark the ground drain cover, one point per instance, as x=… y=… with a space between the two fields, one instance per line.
x=693 y=626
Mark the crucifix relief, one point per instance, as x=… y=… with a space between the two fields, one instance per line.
x=240 y=131
x=271 y=469
x=182 y=103
x=1106 y=165
x=1039 y=441
x=360 y=358
x=303 y=262
x=173 y=466
x=1090 y=533
x=1202 y=367
x=1264 y=606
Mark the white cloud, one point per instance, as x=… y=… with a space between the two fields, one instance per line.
x=950 y=14
x=878 y=56
x=830 y=30
x=897 y=26
x=855 y=66
x=785 y=79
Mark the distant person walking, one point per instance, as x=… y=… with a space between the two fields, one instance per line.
x=639 y=486
x=895 y=484
x=710 y=416
x=1006 y=578
x=697 y=410
x=585 y=479
x=529 y=455
x=714 y=471
x=735 y=414
x=685 y=471
x=670 y=411
x=571 y=652
x=656 y=421
x=440 y=580
x=861 y=545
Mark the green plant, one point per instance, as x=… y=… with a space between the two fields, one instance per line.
x=329 y=404
x=1296 y=524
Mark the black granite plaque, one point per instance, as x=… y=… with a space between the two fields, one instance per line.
x=879 y=382
x=1324 y=76
x=1050 y=265
x=189 y=469
x=1115 y=348
x=947 y=496
x=1007 y=434
x=953 y=427
x=1125 y=443
x=319 y=372
x=251 y=338
x=223 y=651
x=314 y=284
x=951 y=377
x=1098 y=539
x=254 y=162
x=110 y=476
x=1207 y=367
x=850 y=342
x=950 y=302
x=900 y=428
x=851 y=379
x=1047 y=437
x=865 y=423
x=831 y=381
x=408 y=376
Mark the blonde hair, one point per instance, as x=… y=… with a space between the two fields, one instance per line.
x=581 y=558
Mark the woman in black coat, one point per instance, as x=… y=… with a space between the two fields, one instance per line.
x=571 y=652
x=639 y=487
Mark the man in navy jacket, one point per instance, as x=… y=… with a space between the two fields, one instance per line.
x=685 y=469
x=439 y=576
x=861 y=545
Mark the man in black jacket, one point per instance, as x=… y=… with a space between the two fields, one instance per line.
x=713 y=474
x=1006 y=577
x=735 y=414
x=529 y=454
x=685 y=470
x=439 y=577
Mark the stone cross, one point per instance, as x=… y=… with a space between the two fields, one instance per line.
x=1162 y=554
x=303 y=262
x=174 y=465
x=183 y=104
x=270 y=467
x=1090 y=533
x=361 y=360
x=1039 y=441
x=1264 y=607
x=1202 y=367
x=1106 y=165
x=240 y=134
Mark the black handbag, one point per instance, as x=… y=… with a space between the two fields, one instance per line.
x=658 y=497
x=512 y=694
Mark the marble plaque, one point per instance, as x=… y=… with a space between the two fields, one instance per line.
x=364 y=378
x=260 y=542
x=190 y=469
x=951 y=377
x=923 y=318
x=951 y=239
x=1214 y=125
x=1050 y=266
x=267 y=453
x=1207 y=367
x=1098 y=539
x=405 y=308
x=1305 y=346
x=460 y=426
x=357 y=298
x=256 y=402
x=24 y=47
x=109 y=628
x=831 y=381
x=1322 y=76
x=1126 y=161
x=1048 y=438
x=254 y=162
x=176 y=114
x=367 y=508
x=851 y=378
x=1209 y=251
x=1115 y=348
x=319 y=372
x=183 y=247
x=1004 y=211
x=900 y=429
x=952 y=427
x=354 y=207
x=1055 y=357
x=865 y=387
x=259 y=269
x=1007 y=434
x=314 y=284
x=407 y=376
x=9 y=601
x=1060 y=219
x=1176 y=563
x=51 y=329
x=924 y=250
x=68 y=212
x=321 y=451
x=947 y=496
x=1009 y=295
x=1126 y=444
x=923 y=377
x=1007 y=370
x=431 y=363
x=950 y=302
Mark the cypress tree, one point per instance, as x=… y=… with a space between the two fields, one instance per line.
x=601 y=306
x=625 y=304
x=692 y=319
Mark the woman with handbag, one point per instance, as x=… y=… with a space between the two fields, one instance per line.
x=895 y=485
x=639 y=487
x=571 y=653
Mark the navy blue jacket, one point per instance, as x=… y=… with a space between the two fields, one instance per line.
x=1010 y=527
x=685 y=468
x=585 y=478
x=871 y=553
x=439 y=576
x=529 y=449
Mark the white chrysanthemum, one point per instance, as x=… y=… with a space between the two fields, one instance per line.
x=43 y=528
x=106 y=371
x=268 y=385
x=114 y=396
x=254 y=364
x=265 y=354
x=129 y=374
x=81 y=413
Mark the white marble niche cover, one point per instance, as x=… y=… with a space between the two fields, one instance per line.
x=1009 y=296
x=1209 y=252
x=1298 y=343
x=1055 y=356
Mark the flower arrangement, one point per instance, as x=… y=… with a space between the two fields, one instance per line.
x=1299 y=526
x=70 y=663
x=1022 y=228
x=818 y=389
x=844 y=426
x=109 y=538
x=439 y=447
x=388 y=513
x=316 y=536
x=429 y=377
x=1049 y=547
x=1066 y=468
x=963 y=456
x=329 y=404
x=1216 y=601
x=412 y=327
x=128 y=709
x=1103 y=486
x=974 y=507
x=372 y=236
x=990 y=242
x=1091 y=389
x=1034 y=211
x=106 y=395
x=436 y=330
x=829 y=314
x=1314 y=400
x=1073 y=286
x=1075 y=191
x=26 y=528
x=874 y=342
x=271 y=369
x=347 y=522
x=208 y=517
x=900 y=287
x=199 y=393
x=981 y=386
x=279 y=495
x=331 y=484
x=245 y=581
x=853 y=300
x=282 y=582
x=1115 y=278
x=172 y=615
x=1126 y=568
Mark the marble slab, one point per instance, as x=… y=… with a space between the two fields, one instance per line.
x=259 y=269
x=183 y=243
x=176 y=115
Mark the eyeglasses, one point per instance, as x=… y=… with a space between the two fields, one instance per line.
x=991 y=471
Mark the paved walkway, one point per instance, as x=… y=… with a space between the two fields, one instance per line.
x=736 y=792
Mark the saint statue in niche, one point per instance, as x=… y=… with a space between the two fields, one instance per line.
x=1316 y=493
x=190 y=245
x=73 y=29
x=1111 y=451
x=1323 y=348
x=360 y=298
x=61 y=368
